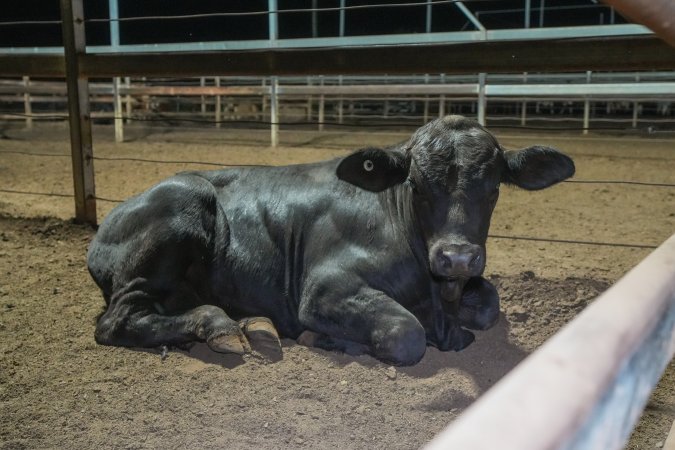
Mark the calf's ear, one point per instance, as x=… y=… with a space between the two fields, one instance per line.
x=374 y=169
x=536 y=167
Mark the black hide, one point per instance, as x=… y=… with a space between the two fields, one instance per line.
x=383 y=250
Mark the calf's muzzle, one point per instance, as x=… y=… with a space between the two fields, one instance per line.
x=457 y=260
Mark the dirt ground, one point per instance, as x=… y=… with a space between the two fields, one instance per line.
x=59 y=389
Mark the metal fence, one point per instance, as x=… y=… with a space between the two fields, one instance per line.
x=613 y=101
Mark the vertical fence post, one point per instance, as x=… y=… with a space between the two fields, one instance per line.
x=427 y=29
x=127 y=99
x=587 y=115
x=315 y=19
x=117 y=110
x=635 y=114
x=523 y=106
x=72 y=17
x=386 y=101
x=322 y=106
x=202 y=83
x=274 y=112
x=218 y=105
x=341 y=30
x=527 y=12
x=441 y=100
x=426 y=101
x=542 y=4
x=273 y=24
x=482 y=100
x=427 y=25
x=113 y=15
x=27 y=107
x=263 y=103
x=310 y=105
x=340 y=103
x=587 y=107
x=635 y=104
x=342 y=18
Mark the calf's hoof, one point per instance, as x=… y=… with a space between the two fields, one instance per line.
x=229 y=343
x=263 y=336
x=462 y=339
x=479 y=305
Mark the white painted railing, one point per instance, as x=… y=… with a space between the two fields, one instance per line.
x=586 y=387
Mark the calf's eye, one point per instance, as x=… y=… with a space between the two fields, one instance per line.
x=368 y=165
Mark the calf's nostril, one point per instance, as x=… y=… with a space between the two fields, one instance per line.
x=476 y=261
x=446 y=260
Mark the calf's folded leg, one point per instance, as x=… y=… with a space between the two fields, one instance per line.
x=370 y=318
x=132 y=320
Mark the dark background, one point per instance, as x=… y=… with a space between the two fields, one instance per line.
x=409 y=19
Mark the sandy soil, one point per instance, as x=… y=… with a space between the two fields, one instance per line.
x=58 y=389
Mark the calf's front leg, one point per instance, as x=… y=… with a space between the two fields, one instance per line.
x=367 y=319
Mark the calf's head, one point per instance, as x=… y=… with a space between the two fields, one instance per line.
x=453 y=168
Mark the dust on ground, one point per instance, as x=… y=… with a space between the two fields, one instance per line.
x=59 y=389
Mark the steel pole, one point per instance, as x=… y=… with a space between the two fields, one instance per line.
x=322 y=106
x=219 y=105
x=523 y=106
x=428 y=17
x=528 y=11
x=113 y=14
x=127 y=99
x=587 y=107
x=315 y=19
x=273 y=23
x=202 y=83
x=542 y=6
x=274 y=112
x=342 y=34
x=27 y=107
x=342 y=18
x=340 y=103
x=482 y=99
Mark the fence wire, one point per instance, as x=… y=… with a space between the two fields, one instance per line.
x=388 y=124
x=317 y=123
x=493 y=236
x=247 y=13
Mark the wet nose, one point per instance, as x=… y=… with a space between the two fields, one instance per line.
x=461 y=260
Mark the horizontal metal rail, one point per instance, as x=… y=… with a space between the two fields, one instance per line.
x=588 y=90
x=497 y=78
x=358 y=41
x=587 y=385
x=553 y=55
x=663 y=90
